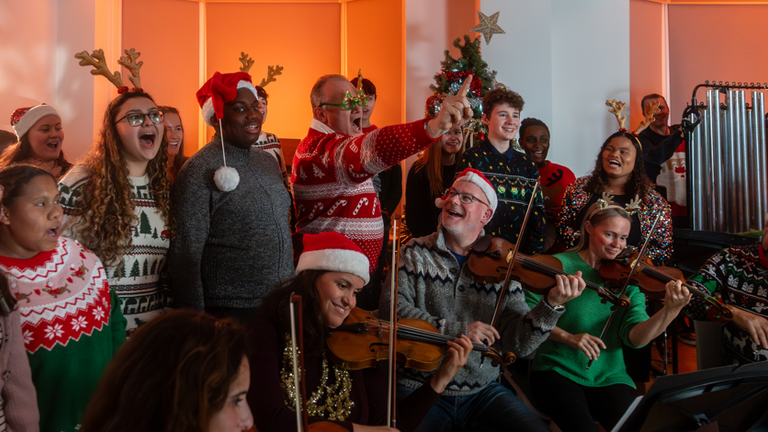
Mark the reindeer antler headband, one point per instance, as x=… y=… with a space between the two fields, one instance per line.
x=97 y=60
x=606 y=201
x=651 y=109
x=272 y=71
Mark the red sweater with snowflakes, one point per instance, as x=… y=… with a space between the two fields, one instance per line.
x=332 y=186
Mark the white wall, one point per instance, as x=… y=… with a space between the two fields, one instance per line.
x=565 y=58
x=38 y=39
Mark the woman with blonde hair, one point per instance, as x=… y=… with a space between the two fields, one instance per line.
x=428 y=179
x=116 y=203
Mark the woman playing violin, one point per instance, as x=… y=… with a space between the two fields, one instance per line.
x=577 y=396
x=330 y=273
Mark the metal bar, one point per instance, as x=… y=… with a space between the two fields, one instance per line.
x=696 y=173
x=732 y=155
x=758 y=108
x=744 y=165
x=718 y=204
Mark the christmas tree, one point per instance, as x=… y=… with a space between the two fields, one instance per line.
x=452 y=74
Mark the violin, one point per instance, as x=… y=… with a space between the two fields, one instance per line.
x=362 y=341
x=489 y=262
x=652 y=281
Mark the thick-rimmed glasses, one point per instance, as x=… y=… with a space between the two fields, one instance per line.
x=350 y=102
x=136 y=119
x=465 y=198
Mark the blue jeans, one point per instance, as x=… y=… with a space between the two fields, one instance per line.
x=494 y=408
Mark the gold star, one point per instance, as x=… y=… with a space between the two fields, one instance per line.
x=487 y=26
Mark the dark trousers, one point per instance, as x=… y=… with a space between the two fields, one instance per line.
x=494 y=408
x=576 y=408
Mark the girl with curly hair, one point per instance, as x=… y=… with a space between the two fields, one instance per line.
x=199 y=384
x=619 y=172
x=116 y=203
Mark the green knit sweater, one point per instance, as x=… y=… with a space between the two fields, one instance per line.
x=586 y=314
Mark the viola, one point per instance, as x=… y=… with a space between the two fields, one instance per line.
x=652 y=281
x=362 y=341
x=488 y=263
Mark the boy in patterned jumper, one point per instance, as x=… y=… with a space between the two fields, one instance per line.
x=435 y=285
x=512 y=174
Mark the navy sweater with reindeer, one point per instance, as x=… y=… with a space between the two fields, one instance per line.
x=434 y=287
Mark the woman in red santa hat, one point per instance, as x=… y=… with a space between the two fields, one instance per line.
x=116 y=201
x=232 y=242
x=40 y=136
x=331 y=272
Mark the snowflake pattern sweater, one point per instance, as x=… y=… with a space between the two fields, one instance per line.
x=71 y=327
x=136 y=279
x=332 y=185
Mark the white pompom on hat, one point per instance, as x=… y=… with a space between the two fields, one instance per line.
x=332 y=251
x=474 y=176
x=23 y=119
x=218 y=90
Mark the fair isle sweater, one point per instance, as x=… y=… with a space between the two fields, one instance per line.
x=587 y=314
x=136 y=278
x=434 y=288
x=71 y=327
x=332 y=185
x=230 y=248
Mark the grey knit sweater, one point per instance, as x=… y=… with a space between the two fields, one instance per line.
x=229 y=248
x=432 y=287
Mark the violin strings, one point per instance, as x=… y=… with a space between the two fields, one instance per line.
x=542 y=267
x=419 y=334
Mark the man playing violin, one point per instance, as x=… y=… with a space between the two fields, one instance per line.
x=740 y=275
x=435 y=285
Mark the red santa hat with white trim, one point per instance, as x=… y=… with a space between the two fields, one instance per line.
x=23 y=119
x=218 y=90
x=474 y=176
x=332 y=251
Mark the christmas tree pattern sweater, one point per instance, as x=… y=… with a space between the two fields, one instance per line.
x=332 y=185
x=70 y=325
x=136 y=278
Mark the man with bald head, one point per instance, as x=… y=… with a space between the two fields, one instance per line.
x=334 y=163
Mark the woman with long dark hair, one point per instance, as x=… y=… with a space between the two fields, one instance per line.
x=330 y=272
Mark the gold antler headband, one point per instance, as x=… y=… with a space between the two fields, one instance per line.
x=97 y=60
x=247 y=62
x=272 y=72
x=651 y=109
x=606 y=201
x=616 y=108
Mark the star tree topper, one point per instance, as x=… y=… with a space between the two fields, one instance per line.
x=488 y=26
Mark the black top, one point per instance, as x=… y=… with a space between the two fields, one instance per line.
x=421 y=213
x=658 y=148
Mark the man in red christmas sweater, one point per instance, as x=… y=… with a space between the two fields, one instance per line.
x=333 y=164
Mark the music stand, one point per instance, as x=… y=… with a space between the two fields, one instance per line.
x=736 y=397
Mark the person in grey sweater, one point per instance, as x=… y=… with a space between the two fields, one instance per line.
x=435 y=285
x=230 y=248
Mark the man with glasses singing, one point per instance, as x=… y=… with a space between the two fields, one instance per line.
x=435 y=285
x=334 y=164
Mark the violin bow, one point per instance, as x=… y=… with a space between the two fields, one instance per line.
x=511 y=258
x=301 y=399
x=395 y=271
x=633 y=267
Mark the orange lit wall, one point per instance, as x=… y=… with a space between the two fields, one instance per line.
x=715 y=42
x=647 y=69
x=303 y=38
x=376 y=44
x=165 y=32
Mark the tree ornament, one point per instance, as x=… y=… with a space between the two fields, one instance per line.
x=488 y=26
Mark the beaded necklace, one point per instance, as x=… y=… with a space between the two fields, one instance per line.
x=336 y=405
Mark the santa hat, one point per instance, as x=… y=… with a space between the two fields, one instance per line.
x=23 y=119
x=332 y=251
x=474 y=176
x=212 y=96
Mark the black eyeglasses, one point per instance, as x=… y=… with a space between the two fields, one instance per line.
x=137 y=119
x=464 y=197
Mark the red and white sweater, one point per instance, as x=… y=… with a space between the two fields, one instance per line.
x=332 y=186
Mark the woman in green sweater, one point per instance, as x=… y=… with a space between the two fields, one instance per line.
x=603 y=392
